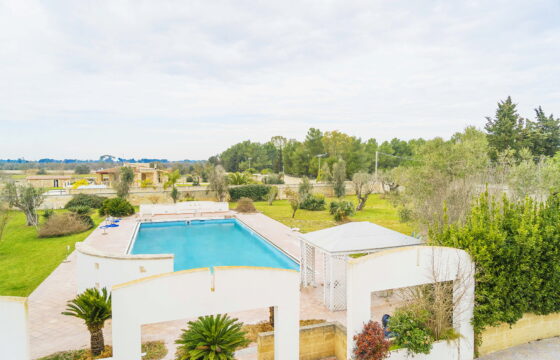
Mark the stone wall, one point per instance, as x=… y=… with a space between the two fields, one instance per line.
x=315 y=342
x=529 y=328
x=158 y=195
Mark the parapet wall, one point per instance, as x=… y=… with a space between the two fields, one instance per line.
x=529 y=328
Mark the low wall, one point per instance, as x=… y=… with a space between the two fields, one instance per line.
x=315 y=342
x=139 y=196
x=14 y=330
x=95 y=269
x=440 y=350
x=529 y=328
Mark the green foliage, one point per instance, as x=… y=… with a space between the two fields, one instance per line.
x=94 y=308
x=47 y=214
x=91 y=201
x=116 y=207
x=126 y=178
x=294 y=200
x=174 y=194
x=239 y=178
x=82 y=169
x=341 y=210
x=256 y=192
x=305 y=187
x=42 y=171
x=211 y=338
x=218 y=182
x=272 y=194
x=313 y=202
x=411 y=332
x=515 y=248
x=172 y=179
x=26 y=198
x=4 y=218
x=273 y=179
x=339 y=177
x=83 y=213
x=405 y=214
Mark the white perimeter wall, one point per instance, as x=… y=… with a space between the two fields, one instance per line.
x=14 y=332
x=412 y=266
x=95 y=269
x=193 y=293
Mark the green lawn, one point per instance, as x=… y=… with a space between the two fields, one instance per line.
x=26 y=260
x=377 y=210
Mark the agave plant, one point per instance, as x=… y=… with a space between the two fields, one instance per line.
x=211 y=338
x=94 y=307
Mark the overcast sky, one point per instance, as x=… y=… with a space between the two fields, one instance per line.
x=186 y=79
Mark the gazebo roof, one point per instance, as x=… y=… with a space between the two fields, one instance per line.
x=355 y=237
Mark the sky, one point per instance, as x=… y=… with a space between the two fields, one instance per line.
x=187 y=79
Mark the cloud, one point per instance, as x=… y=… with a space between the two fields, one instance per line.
x=182 y=80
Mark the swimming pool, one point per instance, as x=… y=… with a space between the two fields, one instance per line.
x=208 y=243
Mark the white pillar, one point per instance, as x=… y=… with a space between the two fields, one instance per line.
x=14 y=329
x=286 y=331
x=127 y=332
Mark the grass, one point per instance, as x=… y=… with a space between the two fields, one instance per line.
x=377 y=210
x=155 y=350
x=26 y=260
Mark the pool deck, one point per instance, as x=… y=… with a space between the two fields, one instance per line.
x=51 y=332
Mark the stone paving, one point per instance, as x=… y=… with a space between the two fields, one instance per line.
x=547 y=349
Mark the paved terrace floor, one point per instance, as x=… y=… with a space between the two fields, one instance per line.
x=52 y=332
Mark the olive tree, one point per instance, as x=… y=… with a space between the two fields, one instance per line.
x=218 y=182
x=339 y=176
x=126 y=178
x=26 y=198
x=364 y=184
x=4 y=217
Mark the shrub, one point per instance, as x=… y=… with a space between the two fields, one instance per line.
x=189 y=178
x=116 y=207
x=304 y=187
x=341 y=210
x=81 y=169
x=313 y=202
x=273 y=179
x=245 y=205
x=48 y=213
x=405 y=214
x=211 y=337
x=409 y=326
x=63 y=224
x=238 y=178
x=91 y=201
x=255 y=192
x=272 y=194
x=371 y=343
x=83 y=213
x=78 y=183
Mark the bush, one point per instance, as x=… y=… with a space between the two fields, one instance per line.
x=63 y=224
x=83 y=213
x=273 y=179
x=313 y=202
x=116 y=207
x=254 y=192
x=409 y=326
x=245 y=205
x=48 y=213
x=189 y=178
x=91 y=201
x=371 y=343
x=82 y=169
x=272 y=194
x=405 y=214
x=342 y=209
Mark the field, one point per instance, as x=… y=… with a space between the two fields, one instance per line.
x=26 y=260
x=377 y=210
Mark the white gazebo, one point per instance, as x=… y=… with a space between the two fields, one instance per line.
x=335 y=244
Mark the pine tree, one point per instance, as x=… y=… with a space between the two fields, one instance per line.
x=506 y=130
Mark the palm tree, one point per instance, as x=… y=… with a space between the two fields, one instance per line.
x=94 y=307
x=211 y=337
x=171 y=180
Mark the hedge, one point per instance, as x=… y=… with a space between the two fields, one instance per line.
x=255 y=192
x=91 y=201
x=516 y=249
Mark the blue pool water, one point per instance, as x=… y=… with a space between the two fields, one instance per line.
x=208 y=243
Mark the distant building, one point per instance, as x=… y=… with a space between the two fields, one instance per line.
x=49 y=181
x=143 y=175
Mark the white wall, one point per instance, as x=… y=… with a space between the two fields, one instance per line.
x=14 y=331
x=441 y=350
x=405 y=267
x=197 y=292
x=95 y=269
